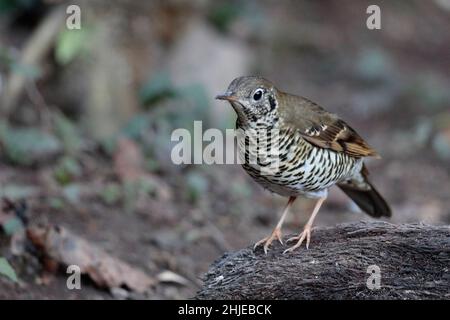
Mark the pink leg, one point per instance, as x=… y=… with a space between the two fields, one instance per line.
x=276 y=233
x=306 y=234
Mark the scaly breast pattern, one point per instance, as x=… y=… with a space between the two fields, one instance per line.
x=302 y=167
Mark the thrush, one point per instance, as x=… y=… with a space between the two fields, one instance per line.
x=316 y=150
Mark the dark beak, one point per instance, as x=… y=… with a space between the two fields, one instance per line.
x=227 y=97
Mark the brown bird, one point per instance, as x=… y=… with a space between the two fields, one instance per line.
x=316 y=149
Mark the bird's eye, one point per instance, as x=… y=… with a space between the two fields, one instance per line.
x=258 y=94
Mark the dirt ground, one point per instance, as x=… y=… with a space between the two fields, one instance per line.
x=391 y=85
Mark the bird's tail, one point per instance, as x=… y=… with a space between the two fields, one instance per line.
x=364 y=194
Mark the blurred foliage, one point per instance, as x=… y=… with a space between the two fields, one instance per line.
x=66 y=170
x=197 y=185
x=430 y=91
x=111 y=194
x=373 y=64
x=26 y=145
x=161 y=87
x=28 y=71
x=72 y=193
x=441 y=145
x=241 y=190
x=7 y=271
x=156 y=89
x=12 y=225
x=70 y=44
x=190 y=103
x=128 y=193
x=223 y=14
x=136 y=127
x=15 y=192
x=152 y=164
x=56 y=203
x=7 y=6
x=175 y=107
x=133 y=190
x=68 y=133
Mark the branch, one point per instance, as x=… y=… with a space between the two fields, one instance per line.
x=36 y=48
x=414 y=262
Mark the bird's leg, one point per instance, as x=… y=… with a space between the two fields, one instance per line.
x=276 y=233
x=306 y=234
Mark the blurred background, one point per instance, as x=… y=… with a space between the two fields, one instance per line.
x=86 y=117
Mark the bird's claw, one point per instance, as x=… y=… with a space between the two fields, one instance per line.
x=306 y=234
x=276 y=234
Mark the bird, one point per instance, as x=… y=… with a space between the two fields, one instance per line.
x=316 y=149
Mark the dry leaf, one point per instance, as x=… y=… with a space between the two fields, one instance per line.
x=105 y=270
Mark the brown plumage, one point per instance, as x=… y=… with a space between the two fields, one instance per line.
x=320 y=127
x=316 y=149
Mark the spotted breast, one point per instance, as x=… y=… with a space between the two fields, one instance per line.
x=299 y=169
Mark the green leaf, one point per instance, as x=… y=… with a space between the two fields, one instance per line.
x=70 y=44
x=7 y=271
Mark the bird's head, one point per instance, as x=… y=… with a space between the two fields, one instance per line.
x=253 y=98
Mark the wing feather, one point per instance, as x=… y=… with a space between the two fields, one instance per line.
x=322 y=128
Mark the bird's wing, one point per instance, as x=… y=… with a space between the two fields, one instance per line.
x=324 y=129
x=337 y=136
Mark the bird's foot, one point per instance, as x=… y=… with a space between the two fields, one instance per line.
x=276 y=235
x=306 y=234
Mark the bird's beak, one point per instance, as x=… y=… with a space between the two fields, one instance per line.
x=228 y=97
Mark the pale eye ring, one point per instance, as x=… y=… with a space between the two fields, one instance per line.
x=258 y=94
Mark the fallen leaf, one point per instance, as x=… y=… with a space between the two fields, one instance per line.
x=106 y=271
